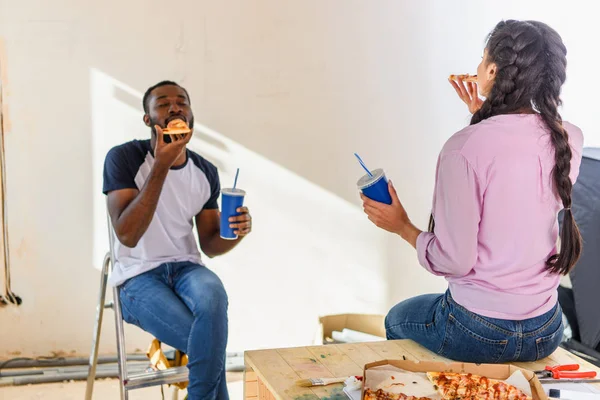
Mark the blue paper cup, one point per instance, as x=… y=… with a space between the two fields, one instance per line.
x=375 y=187
x=231 y=200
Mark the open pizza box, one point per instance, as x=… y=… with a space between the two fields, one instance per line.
x=493 y=371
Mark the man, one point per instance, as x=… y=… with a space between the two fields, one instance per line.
x=155 y=188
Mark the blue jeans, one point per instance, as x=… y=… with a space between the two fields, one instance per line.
x=438 y=323
x=185 y=306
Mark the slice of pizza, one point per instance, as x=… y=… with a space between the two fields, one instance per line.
x=453 y=386
x=464 y=78
x=383 y=395
x=176 y=127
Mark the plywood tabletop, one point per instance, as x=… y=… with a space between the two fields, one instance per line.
x=279 y=369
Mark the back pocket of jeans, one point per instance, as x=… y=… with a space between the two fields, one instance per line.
x=546 y=345
x=463 y=344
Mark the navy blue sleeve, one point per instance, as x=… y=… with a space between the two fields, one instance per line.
x=120 y=167
x=212 y=174
x=215 y=188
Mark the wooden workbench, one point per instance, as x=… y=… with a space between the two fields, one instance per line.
x=271 y=374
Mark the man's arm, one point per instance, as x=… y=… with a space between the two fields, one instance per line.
x=132 y=210
x=208 y=224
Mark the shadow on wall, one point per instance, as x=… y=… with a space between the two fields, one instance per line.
x=311 y=252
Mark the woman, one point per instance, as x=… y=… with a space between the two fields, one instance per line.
x=500 y=184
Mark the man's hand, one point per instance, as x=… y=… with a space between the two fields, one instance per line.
x=208 y=225
x=393 y=218
x=166 y=154
x=469 y=94
x=242 y=224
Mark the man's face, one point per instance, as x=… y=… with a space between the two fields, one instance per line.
x=167 y=103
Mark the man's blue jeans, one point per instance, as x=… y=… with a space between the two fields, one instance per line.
x=185 y=306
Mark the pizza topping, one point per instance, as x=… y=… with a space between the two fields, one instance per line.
x=176 y=126
x=464 y=77
x=453 y=385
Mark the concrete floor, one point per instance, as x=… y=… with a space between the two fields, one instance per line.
x=104 y=389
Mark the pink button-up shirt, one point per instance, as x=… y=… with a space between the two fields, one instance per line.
x=495 y=213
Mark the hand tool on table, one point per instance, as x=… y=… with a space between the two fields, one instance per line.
x=570 y=371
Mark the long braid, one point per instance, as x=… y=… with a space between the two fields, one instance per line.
x=547 y=101
x=531 y=62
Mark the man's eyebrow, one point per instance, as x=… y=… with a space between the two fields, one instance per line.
x=165 y=96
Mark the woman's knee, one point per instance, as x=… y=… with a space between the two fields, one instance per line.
x=415 y=310
x=394 y=316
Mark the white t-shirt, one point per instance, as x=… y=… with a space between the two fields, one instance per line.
x=187 y=190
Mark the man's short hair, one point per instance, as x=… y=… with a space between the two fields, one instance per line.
x=159 y=84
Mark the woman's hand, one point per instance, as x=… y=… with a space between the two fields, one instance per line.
x=469 y=94
x=393 y=218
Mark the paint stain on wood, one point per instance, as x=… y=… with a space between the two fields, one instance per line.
x=336 y=394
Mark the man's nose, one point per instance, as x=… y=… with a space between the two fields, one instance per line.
x=175 y=109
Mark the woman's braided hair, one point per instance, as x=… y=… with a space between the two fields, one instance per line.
x=531 y=68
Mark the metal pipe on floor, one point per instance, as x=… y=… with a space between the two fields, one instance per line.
x=64 y=361
x=24 y=372
x=35 y=379
x=66 y=374
x=71 y=361
x=134 y=365
x=20 y=373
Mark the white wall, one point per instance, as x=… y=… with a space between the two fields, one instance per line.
x=286 y=93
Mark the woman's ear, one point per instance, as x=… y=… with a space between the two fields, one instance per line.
x=491 y=71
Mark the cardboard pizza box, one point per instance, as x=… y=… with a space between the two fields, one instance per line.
x=372 y=324
x=494 y=371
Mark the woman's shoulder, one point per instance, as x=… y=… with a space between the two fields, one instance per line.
x=472 y=137
x=506 y=133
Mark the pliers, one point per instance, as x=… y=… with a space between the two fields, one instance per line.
x=558 y=372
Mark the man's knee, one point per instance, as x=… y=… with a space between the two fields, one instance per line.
x=217 y=295
x=207 y=295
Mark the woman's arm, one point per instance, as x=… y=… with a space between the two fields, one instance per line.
x=452 y=249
